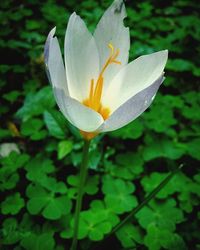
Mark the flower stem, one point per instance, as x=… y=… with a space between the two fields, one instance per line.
x=82 y=179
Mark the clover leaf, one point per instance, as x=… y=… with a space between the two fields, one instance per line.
x=15 y=160
x=97 y=205
x=118 y=171
x=151 y=182
x=8 y=172
x=49 y=201
x=38 y=241
x=36 y=103
x=129 y=235
x=157 y=238
x=133 y=130
x=12 y=204
x=164 y=215
x=193 y=148
x=133 y=161
x=162 y=109
x=10 y=232
x=94 y=223
x=38 y=168
x=91 y=185
x=156 y=148
x=187 y=189
x=118 y=194
x=33 y=128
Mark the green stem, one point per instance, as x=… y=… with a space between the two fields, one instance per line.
x=146 y=200
x=82 y=179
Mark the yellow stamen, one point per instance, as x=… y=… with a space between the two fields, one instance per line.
x=94 y=100
x=105 y=112
x=111 y=47
x=91 y=91
x=97 y=94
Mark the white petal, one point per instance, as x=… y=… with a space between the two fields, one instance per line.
x=81 y=58
x=79 y=115
x=133 y=78
x=132 y=108
x=54 y=62
x=111 y=29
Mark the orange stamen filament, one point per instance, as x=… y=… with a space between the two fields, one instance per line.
x=94 y=100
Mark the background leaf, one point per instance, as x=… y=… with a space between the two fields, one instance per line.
x=38 y=180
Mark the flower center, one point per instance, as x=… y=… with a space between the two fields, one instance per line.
x=94 y=99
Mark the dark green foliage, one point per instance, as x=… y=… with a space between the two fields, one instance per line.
x=39 y=172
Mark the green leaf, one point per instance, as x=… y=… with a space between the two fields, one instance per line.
x=91 y=185
x=133 y=161
x=160 y=118
x=33 y=129
x=12 y=96
x=152 y=181
x=157 y=238
x=97 y=205
x=8 y=172
x=64 y=148
x=12 y=204
x=32 y=24
x=179 y=65
x=163 y=148
x=9 y=231
x=190 y=106
x=38 y=168
x=94 y=224
x=129 y=235
x=38 y=242
x=193 y=148
x=4 y=133
x=47 y=201
x=132 y=131
x=56 y=207
x=55 y=124
x=119 y=171
x=36 y=103
x=118 y=195
x=15 y=160
x=164 y=215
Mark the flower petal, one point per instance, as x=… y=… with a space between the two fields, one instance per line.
x=133 y=78
x=81 y=58
x=54 y=62
x=79 y=115
x=111 y=29
x=132 y=108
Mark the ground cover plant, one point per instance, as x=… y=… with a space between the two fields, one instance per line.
x=41 y=152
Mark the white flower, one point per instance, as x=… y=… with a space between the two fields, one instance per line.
x=98 y=90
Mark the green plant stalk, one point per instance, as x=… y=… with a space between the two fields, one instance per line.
x=152 y=195
x=82 y=179
x=146 y=200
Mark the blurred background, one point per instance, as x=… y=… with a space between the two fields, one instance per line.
x=40 y=151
